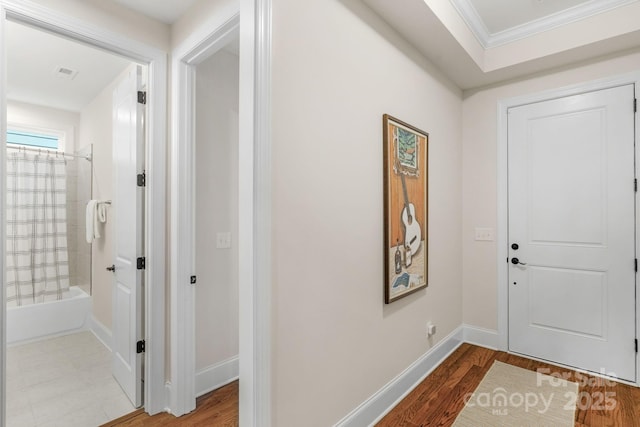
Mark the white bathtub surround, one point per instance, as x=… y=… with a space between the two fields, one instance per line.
x=53 y=318
x=64 y=381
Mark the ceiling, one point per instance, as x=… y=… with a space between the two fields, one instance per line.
x=476 y=43
x=473 y=42
x=34 y=55
x=501 y=15
x=496 y=22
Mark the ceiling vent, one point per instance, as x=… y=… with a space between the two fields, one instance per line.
x=65 y=73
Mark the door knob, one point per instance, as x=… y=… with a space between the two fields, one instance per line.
x=516 y=261
x=112 y=268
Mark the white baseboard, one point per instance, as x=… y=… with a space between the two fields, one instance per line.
x=100 y=331
x=378 y=405
x=480 y=336
x=216 y=376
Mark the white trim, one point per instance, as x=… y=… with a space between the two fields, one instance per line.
x=254 y=203
x=384 y=400
x=255 y=213
x=101 y=332
x=488 y=40
x=182 y=265
x=502 y=199
x=3 y=210
x=185 y=58
x=34 y=14
x=502 y=232
x=637 y=162
x=216 y=376
x=480 y=336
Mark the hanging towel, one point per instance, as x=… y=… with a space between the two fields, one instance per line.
x=95 y=214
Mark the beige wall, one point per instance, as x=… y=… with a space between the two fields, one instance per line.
x=216 y=209
x=203 y=16
x=116 y=18
x=479 y=170
x=96 y=127
x=336 y=71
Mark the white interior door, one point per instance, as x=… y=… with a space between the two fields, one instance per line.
x=127 y=206
x=572 y=230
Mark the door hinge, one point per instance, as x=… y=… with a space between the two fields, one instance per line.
x=635 y=185
x=142 y=97
x=141 y=263
x=140 y=347
x=636 y=345
x=193 y=280
x=635 y=105
x=636 y=262
x=142 y=179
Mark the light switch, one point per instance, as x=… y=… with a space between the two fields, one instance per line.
x=223 y=240
x=484 y=234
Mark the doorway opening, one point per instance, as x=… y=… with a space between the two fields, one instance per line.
x=205 y=255
x=61 y=225
x=85 y=175
x=216 y=219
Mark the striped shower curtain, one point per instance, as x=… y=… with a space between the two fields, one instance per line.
x=36 y=247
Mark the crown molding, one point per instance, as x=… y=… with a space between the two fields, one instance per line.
x=488 y=40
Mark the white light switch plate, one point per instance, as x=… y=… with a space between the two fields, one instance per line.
x=484 y=234
x=223 y=240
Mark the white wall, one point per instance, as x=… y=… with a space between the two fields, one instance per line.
x=216 y=209
x=96 y=127
x=336 y=70
x=480 y=176
x=20 y=113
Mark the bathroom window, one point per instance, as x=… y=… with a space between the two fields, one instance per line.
x=32 y=139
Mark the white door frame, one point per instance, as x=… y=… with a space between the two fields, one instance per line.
x=184 y=62
x=503 y=220
x=254 y=205
x=155 y=218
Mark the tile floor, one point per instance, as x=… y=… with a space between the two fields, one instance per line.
x=62 y=382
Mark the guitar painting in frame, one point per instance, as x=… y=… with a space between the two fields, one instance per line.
x=405 y=208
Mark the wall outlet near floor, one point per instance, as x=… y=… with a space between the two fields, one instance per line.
x=223 y=240
x=431 y=329
x=484 y=234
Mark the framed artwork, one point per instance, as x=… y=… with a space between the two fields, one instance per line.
x=405 y=208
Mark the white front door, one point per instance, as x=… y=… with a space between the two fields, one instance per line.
x=572 y=231
x=127 y=206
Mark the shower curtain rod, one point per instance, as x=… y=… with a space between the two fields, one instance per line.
x=49 y=152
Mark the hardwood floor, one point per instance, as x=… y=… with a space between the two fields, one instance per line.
x=438 y=400
x=218 y=408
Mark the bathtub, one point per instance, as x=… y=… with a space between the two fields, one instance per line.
x=37 y=321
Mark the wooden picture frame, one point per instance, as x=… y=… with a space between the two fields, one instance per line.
x=406 y=173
